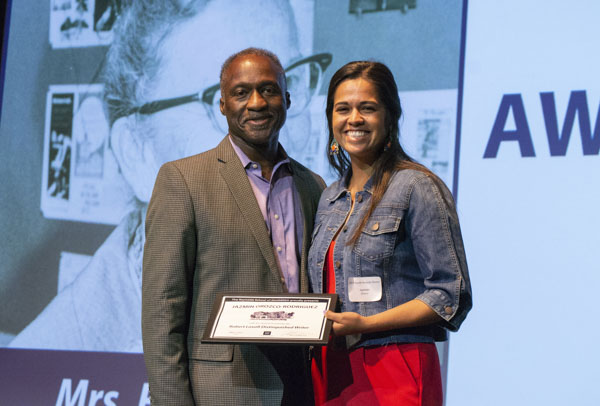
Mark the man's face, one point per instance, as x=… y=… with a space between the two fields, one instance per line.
x=254 y=100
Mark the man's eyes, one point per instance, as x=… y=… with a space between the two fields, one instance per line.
x=240 y=92
x=269 y=90
x=266 y=91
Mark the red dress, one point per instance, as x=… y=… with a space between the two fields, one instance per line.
x=395 y=374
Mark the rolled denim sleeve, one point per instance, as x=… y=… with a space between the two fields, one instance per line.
x=432 y=224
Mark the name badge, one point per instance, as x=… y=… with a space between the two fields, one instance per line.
x=364 y=289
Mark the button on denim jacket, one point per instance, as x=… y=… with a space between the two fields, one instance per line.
x=412 y=241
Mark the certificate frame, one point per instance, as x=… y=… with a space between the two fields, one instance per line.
x=270 y=318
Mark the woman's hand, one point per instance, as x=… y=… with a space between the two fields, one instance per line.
x=347 y=323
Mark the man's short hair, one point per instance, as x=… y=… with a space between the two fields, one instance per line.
x=251 y=51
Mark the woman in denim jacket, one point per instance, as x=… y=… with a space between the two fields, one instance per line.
x=387 y=241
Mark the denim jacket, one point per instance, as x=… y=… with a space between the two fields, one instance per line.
x=412 y=242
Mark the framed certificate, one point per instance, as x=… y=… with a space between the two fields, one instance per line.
x=279 y=318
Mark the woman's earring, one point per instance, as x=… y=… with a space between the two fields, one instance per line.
x=388 y=145
x=334 y=148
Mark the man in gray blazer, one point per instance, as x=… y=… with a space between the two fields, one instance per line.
x=235 y=218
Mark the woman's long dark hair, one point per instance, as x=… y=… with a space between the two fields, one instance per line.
x=392 y=157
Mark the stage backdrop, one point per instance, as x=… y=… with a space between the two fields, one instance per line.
x=77 y=167
x=529 y=199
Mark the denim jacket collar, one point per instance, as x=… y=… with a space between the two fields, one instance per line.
x=341 y=186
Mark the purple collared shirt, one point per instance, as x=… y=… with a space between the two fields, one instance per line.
x=279 y=203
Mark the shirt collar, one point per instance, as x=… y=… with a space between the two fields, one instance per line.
x=246 y=162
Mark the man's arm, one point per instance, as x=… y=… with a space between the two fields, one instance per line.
x=169 y=260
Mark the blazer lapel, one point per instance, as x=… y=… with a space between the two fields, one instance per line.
x=234 y=174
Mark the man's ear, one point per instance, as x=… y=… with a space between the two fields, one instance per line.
x=135 y=157
x=288 y=100
x=221 y=105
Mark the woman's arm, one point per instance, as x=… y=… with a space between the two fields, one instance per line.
x=410 y=314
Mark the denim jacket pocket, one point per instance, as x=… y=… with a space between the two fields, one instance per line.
x=379 y=236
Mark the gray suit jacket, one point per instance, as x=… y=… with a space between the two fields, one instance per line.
x=205 y=234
